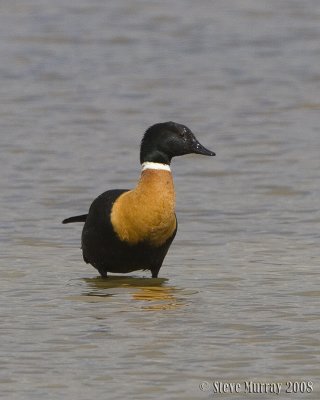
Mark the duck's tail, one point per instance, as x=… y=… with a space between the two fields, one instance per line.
x=78 y=218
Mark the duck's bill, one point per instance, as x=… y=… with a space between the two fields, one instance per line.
x=199 y=149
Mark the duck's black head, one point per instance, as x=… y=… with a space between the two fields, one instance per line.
x=163 y=141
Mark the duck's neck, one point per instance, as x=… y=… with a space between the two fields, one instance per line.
x=146 y=213
x=156 y=185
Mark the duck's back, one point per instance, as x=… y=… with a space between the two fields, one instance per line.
x=98 y=237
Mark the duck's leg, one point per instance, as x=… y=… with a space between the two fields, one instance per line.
x=155 y=271
x=104 y=274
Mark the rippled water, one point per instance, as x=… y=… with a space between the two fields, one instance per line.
x=238 y=295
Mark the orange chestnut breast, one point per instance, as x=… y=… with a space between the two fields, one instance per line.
x=146 y=213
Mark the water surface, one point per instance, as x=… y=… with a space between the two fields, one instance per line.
x=238 y=295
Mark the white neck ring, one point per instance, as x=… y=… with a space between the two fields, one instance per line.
x=154 y=165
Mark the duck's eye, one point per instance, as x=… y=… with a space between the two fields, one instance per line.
x=183 y=134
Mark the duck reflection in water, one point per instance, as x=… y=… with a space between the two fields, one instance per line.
x=154 y=293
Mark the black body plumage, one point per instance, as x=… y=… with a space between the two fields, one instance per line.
x=102 y=248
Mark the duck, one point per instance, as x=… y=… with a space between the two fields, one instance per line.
x=130 y=230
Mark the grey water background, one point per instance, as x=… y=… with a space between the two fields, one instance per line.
x=238 y=294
